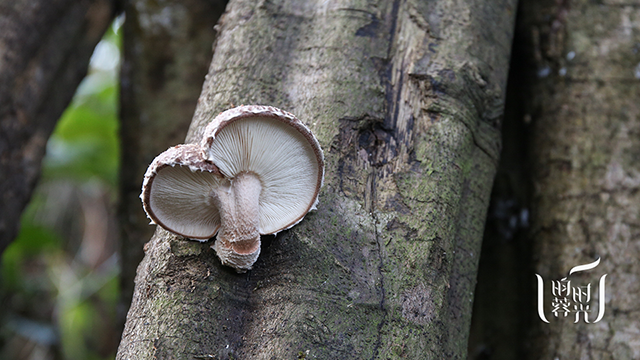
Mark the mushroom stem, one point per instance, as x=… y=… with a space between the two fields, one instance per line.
x=238 y=240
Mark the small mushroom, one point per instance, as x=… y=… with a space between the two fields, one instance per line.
x=258 y=170
x=176 y=192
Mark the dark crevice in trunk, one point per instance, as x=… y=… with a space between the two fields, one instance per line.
x=504 y=295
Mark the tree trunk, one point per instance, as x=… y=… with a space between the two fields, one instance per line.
x=586 y=143
x=167 y=51
x=45 y=47
x=406 y=101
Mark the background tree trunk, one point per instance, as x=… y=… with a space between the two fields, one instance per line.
x=167 y=51
x=406 y=100
x=585 y=149
x=45 y=47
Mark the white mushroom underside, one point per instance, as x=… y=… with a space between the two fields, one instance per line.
x=284 y=161
x=181 y=201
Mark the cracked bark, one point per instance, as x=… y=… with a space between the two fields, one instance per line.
x=586 y=174
x=45 y=47
x=406 y=100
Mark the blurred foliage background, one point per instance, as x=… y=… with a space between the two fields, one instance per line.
x=59 y=285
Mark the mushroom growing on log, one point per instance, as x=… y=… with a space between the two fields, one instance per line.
x=257 y=171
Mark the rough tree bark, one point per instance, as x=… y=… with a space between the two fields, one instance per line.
x=585 y=150
x=167 y=50
x=45 y=46
x=406 y=99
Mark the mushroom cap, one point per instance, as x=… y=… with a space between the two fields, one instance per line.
x=176 y=192
x=277 y=147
